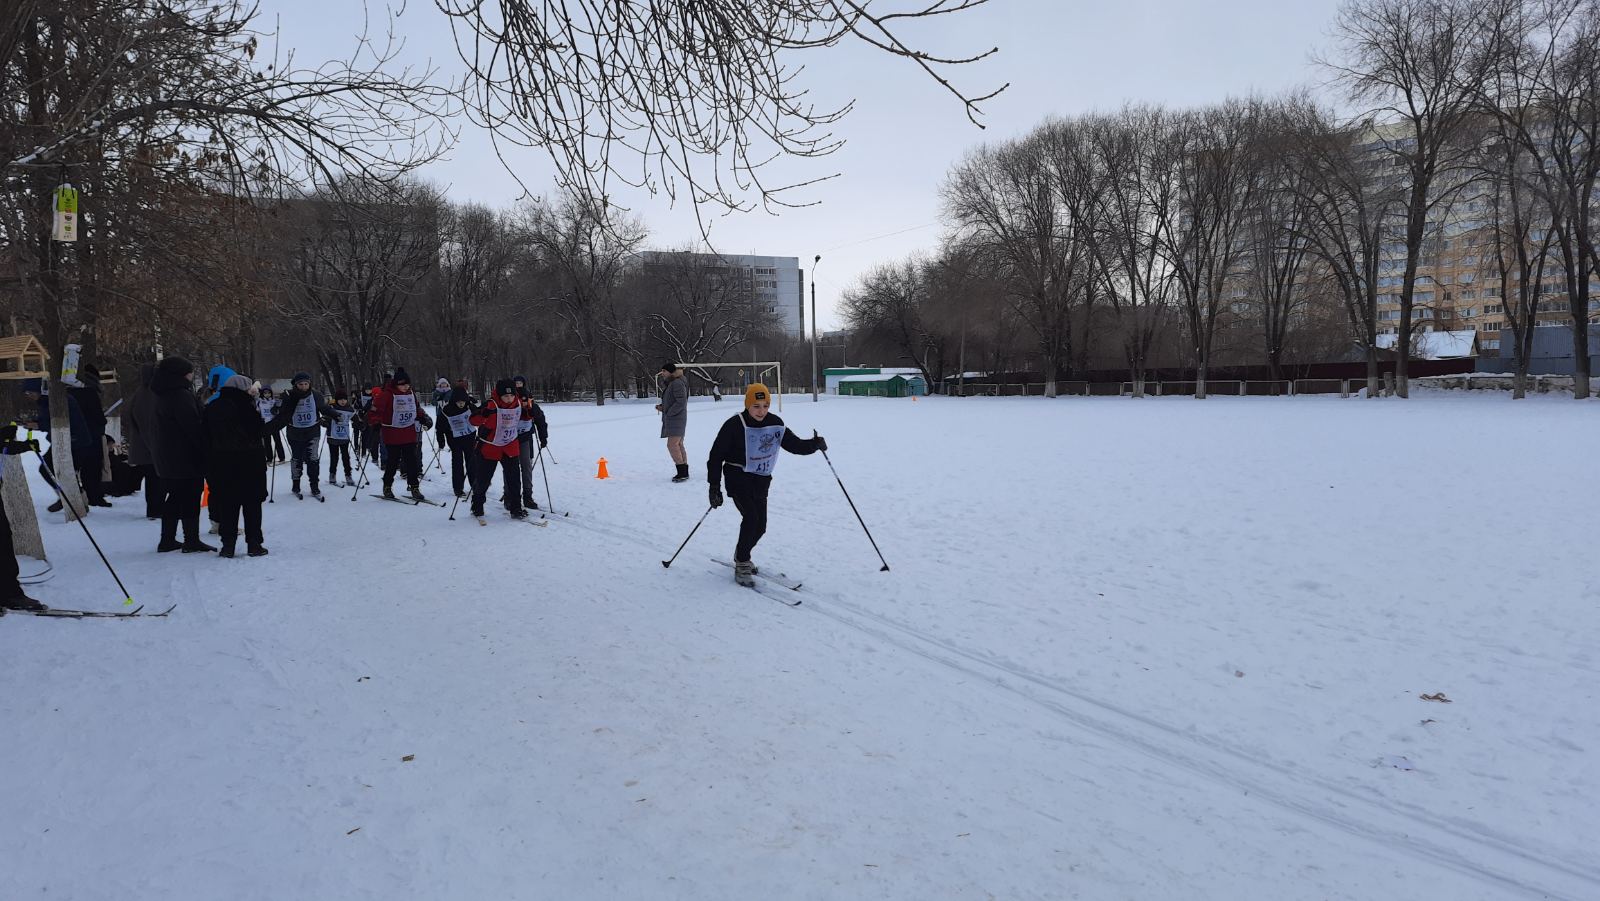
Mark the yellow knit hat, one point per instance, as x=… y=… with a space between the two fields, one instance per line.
x=755 y=392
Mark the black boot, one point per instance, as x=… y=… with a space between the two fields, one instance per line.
x=21 y=602
x=169 y=535
x=226 y=550
x=683 y=473
x=257 y=550
x=191 y=537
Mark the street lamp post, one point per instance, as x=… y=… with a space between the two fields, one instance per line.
x=814 y=261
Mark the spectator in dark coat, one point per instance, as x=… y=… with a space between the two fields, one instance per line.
x=178 y=444
x=137 y=423
x=90 y=460
x=674 y=410
x=236 y=462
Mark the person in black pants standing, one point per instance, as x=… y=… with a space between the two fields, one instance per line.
x=178 y=443
x=745 y=454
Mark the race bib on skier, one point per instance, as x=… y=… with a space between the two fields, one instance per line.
x=339 y=426
x=305 y=412
x=524 y=426
x=459 y=426
x=505 y=426
x=264 y=407
x=761 y=446
x=405 y=411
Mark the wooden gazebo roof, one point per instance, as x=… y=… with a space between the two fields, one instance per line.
x=23 y=357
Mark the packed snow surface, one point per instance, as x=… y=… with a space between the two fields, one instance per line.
x=1156 y=649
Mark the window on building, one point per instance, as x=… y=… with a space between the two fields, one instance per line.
x=1489 y=344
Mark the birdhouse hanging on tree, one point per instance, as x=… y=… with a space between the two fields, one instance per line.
x=65 y=209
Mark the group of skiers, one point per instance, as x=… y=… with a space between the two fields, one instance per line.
x=222 y=439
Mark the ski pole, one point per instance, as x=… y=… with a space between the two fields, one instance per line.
x=545 y=470
x=853 y=507
x=361 y=465
x=50 y=476
x=668 y=563
x=272 y=484
x=437 y=449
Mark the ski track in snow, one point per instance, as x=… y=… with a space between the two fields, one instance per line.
x=1191 y=784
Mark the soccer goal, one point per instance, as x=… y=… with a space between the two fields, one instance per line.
x=748 y=372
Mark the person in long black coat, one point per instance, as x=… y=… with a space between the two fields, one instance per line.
x=178 y=445
x=137 y=423
x=90 y=463
x=236 y=465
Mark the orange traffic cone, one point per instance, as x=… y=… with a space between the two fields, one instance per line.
x=602 y=474
x=205 y=497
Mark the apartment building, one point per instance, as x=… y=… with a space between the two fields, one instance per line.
x=774 y=284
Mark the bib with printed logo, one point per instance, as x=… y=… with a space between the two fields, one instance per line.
x=761 y=446
x=405 y=411
x=305 y=412
x=459 y=426
x=339 y=426
x=505 y=426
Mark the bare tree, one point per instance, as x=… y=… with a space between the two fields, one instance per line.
x=891 y=304
x=693 y=308
x=477 y=253
x=585 y=246
x=1421 y=65
x=687 y=97
x=1276 y=229
x=357 y=258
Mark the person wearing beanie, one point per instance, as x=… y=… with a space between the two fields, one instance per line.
x=306 y=412
x=532 y=426
x=674 y=410
x=236 y=465
x=178 y=445
x=136 y=426
x=745 y=454
x=397 y=413
x=215 y=379
x=499 y=424
x=337 y=419
x=455 y=424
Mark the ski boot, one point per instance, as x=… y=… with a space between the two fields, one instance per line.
x=315 y=492
x=388 y=491
x=528 y=503
x=416 y=494
x=743 y=574
x=21 y=602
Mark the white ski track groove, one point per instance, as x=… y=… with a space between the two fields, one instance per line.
x=1281 y=786
x=1277 y=785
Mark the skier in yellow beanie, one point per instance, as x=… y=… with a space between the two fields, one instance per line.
x=745 y=453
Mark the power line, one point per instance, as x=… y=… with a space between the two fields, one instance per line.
x=878 y=237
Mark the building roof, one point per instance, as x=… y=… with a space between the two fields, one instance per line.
x=1456 y=345
x=882 y=376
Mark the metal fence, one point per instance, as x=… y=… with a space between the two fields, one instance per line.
x=1281 y=388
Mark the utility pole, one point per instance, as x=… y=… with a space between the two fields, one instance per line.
x=814 y=261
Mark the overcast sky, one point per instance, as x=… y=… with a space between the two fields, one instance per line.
x=1060 y=57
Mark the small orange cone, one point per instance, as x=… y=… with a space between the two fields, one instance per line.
x=205 y=497
x=602 y=474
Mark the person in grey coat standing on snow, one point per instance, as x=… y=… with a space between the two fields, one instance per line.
x=674 y=408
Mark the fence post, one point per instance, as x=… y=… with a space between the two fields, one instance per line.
x=1344 y=388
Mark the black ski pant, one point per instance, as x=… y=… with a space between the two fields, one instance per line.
x=749 y=495
x=338 y=450
x=155 y=492
x=9 y=586
x=511 y=472
x=461 y=457
x=88 y=461
x=303 y=456
x=182 y=506
x=407 y=458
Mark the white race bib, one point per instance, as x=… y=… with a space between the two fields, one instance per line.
x=264 y=407
x=459 y=426
x=305 y=412
x=405 y=411
x=339 y=426
x=505 y=425
x=761 y=446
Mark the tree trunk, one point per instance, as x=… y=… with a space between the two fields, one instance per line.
x=1200 y=370
x=1580 y=355
x=66 y=474
x=25 y=538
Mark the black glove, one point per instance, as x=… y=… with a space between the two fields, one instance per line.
x=544 y=443
x=716 y=496
x=819 y=441
x=17 y=446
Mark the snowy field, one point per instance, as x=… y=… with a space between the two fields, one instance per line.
x=1128 y=650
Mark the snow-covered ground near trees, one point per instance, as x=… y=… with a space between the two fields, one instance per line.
x=1155 y=649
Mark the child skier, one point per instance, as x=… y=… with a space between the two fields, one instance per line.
x=745 y=453
x=396 y=412
x=267 y=406
x=535 y=421
x=337 y=419
x=305 y=432
x=499 y=422
x=455 y=418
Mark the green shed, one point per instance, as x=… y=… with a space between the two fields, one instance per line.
x=883 y=385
